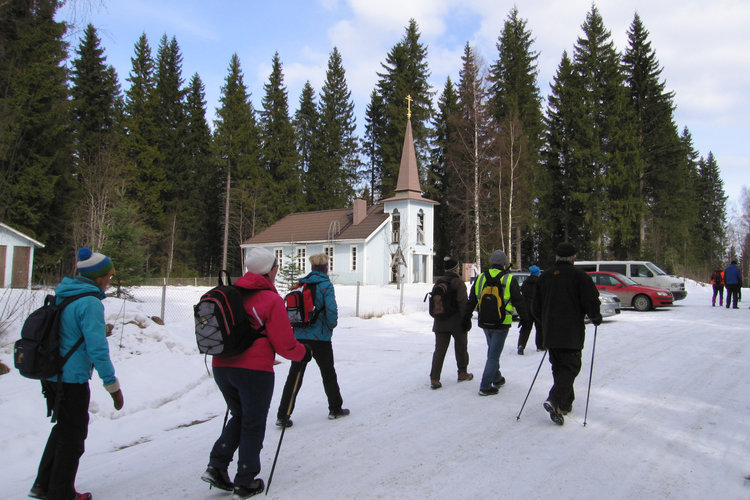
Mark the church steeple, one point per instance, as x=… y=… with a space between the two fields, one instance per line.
x=407 y=185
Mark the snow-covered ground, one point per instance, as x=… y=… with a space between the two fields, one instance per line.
x=668 y=412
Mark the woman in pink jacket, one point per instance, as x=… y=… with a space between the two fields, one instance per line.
x=246 y=380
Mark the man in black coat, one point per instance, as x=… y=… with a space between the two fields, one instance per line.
x=564 y=296
x=452 y=326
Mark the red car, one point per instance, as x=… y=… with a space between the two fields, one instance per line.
x=642 y=298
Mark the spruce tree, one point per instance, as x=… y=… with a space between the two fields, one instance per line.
x=203 y=194
x=516 y=104
x=145 y=179
x=375 y=126
x=611 y=160
x=95 y=95
x=712 y=212
x=665 y=183
x=337 y=166
x=306 y=125
x=278 y=154
x=405 y=74
x=236 y=142
x=35 y=144
x=446 y=184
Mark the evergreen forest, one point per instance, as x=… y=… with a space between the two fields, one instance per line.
x=129 y=164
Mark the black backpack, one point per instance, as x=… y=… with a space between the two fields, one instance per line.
x=442 y=301
x=221 y=323
x=37 y=354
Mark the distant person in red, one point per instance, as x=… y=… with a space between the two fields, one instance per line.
x=717 y=280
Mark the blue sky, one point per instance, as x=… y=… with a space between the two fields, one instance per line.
x=703 y=48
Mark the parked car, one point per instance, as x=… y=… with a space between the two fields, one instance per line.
x=610 y=304
x=641 y=271
x=631 y=294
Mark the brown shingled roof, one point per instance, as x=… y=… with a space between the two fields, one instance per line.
x=314 y=226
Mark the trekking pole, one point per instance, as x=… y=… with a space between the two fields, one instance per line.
x=518 y=417
x=283 y=427
x=591 y=371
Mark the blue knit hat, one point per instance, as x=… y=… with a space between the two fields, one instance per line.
x=534 y=270
x=92 y=264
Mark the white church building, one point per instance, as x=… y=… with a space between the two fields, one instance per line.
x=369 y=245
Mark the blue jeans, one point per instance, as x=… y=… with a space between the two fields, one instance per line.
x=495 y=344
x=248 y=396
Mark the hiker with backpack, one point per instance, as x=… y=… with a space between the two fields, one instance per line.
x=315 y=330
x=82 y=318
x=246 y=380
x=717 y=281
x=495 y=293
x=449 y=297
x=564 y=296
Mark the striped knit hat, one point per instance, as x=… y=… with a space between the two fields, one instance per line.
x=92 y=264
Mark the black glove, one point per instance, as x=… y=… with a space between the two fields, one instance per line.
x=597 y=321
x=466 y=324
x=308 y=354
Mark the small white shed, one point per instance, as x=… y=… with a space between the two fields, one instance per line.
x=16 y=258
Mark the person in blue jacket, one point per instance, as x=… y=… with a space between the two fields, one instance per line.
x=83 y=317
x=318 y=337
x=733 y=282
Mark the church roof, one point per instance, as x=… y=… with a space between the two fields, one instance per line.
x=407 y=185
x=322 y=225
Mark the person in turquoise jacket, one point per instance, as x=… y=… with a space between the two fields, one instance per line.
x=82 y=318
x=318 y=337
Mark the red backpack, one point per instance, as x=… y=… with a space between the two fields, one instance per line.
x=300 y=306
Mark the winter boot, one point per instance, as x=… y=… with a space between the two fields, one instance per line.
x=490 y=391
x=499 y=383
x=284 y=422
x=465 y=376
x=435 y=384
x=241 y=492
x=82 y=496
x=334 y=414
x=554 y=413
x=217 y=478
x=520 y=350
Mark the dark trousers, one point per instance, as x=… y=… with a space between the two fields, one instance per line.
x=523 y=335
x=733 y=294
x=322 y=352
x=248 y=396
x=59 y=463
x=720 y=290
x=460 y=346
x=566 y=364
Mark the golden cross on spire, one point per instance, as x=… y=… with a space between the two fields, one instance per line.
x=408 y=106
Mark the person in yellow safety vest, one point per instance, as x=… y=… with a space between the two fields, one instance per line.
x=495 y=293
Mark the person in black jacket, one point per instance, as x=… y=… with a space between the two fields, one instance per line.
x=564 y=296
x=453 y=326
x=527 y=290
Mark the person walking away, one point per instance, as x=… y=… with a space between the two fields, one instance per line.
x=527 y=290
x=717 y=280
x=495 y=332
x=246 y=380
x=452 y=326
x=317 y=336
x=564 y=295
x=83 y=317
x=733 y=281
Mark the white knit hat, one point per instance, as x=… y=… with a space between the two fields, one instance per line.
x=259 y=261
